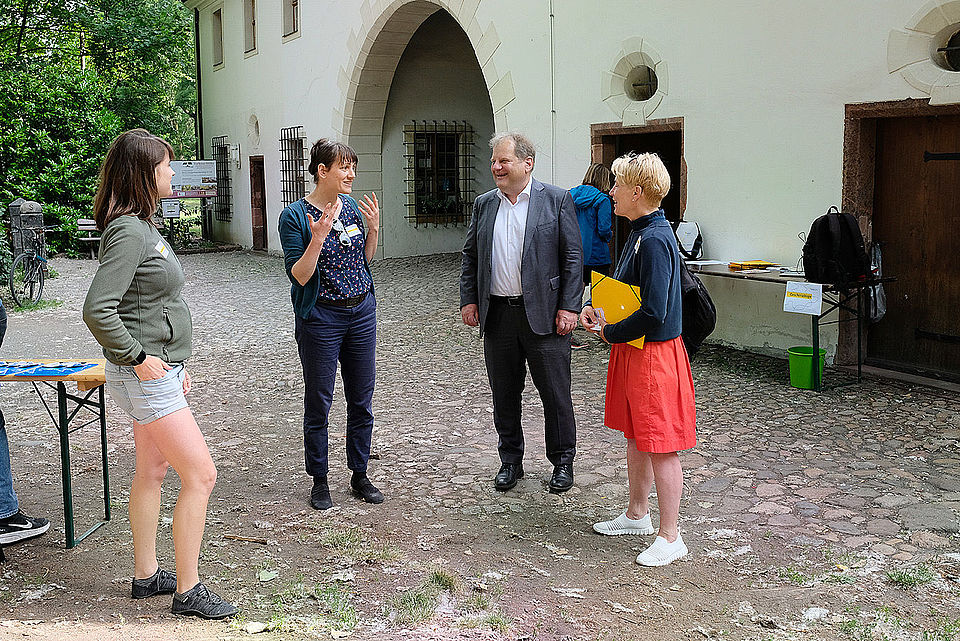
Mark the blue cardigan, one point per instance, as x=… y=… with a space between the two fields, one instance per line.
x=294 y=237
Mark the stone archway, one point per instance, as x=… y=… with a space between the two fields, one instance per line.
x=374 y=54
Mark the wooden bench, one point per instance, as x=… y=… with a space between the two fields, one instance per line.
x=88 y=227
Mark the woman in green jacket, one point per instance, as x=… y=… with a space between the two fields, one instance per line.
x=135 y=311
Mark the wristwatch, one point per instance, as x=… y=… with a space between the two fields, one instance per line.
x=142 y=356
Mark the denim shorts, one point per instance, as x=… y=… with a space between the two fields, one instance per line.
x=146 y=401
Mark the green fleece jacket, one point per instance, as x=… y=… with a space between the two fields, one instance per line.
x=134 y=301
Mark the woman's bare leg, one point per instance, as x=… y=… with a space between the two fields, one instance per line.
x=669 y=477
x=179 y=440
x=640 y=477
x=144 y=505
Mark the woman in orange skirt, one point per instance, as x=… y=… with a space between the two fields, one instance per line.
x=649 y=390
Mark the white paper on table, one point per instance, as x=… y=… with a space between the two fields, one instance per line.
x=803 y=298
x=701 y=263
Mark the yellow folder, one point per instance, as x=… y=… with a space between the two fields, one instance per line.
x=617 y=300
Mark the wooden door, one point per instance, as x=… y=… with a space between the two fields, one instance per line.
x=258 y=203
x=917 y=221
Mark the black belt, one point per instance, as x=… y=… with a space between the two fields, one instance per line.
x=512 y=301
x=353 y=301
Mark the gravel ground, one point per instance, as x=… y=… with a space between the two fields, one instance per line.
x=808 y=516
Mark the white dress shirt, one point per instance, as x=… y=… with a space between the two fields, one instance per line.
x=508 y=231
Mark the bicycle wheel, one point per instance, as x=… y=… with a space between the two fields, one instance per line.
x=26 y=280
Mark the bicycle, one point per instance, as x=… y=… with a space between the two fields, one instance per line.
x=29 y=269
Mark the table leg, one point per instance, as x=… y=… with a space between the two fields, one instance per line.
x=103 y=456
x=815 y=333
x=64 y=429
x=859 y=334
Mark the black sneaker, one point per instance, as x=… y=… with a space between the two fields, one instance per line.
x=366 y=490
x=199 y=601
x=162 y=582
x=20 y=527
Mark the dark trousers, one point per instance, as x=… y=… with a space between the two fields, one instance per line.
x=329 y=335
x=509 y=346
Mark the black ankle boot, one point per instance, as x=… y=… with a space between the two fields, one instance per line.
x=366 y=490
x=320 y=494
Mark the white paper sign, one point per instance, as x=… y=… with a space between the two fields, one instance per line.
x=803 y=298
x=170 y=207
x=194 y=178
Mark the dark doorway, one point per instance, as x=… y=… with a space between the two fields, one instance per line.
x=916 y=213
x=663 y=137
x=258 y=204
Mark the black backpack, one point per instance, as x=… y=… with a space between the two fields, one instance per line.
x=699 y=312
x=833 y=252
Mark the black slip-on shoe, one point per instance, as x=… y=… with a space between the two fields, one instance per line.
x=508 y=476
x=366 y=490
x=562 y=479
x=199 y=601
x=21 y=527
x=162 y=582
x=320 y=494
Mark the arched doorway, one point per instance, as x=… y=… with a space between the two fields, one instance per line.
x=367 y=83
x=435 y=130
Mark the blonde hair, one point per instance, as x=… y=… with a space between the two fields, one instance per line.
x=644 y=170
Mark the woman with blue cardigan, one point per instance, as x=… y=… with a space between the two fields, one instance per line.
x=326 y=253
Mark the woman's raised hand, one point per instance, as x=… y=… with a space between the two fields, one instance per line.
x=321 y=226
x=370 y=208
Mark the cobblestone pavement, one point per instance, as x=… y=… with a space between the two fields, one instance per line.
x=813 y=516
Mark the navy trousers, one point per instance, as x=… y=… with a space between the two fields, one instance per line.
x=347 y=336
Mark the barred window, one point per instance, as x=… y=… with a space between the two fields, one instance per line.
x=292 y=172
x=223 y=201
x=440 y=172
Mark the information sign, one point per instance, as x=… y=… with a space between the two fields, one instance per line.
x=803 y=298
x=194 y=178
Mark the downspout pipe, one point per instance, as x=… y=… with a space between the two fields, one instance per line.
x=198 y=128
x=553 y=103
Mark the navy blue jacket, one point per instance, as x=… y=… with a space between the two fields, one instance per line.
x=651 y=261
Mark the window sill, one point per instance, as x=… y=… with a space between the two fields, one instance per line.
x=218 y=67
x=248 y=54
x=292 y=36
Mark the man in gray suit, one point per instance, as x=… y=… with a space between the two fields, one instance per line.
x=520 y=282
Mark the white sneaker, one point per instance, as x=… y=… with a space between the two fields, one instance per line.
x=662 y=552
x=625 y=525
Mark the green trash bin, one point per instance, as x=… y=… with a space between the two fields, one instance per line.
x=801 y=366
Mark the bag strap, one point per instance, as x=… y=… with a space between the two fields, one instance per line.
x=697 y=244
x=833 y=221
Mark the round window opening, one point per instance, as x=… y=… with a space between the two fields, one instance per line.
x=641 y=83
x=948 y=55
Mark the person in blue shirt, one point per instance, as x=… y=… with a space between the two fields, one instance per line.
x=328 y=240
x=594 y=215
x=14 y=525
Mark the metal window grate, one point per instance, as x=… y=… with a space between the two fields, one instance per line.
x=440 y=172
x=223 y=201
x=292 y=173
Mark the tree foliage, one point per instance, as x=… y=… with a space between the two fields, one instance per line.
x=73 y=75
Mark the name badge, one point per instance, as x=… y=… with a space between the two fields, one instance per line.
x=162 y=249
x=352 y=230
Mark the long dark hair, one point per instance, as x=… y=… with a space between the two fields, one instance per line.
x=327 y=152
x=128 y=182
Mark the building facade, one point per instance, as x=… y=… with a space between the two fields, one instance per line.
x=766 y=114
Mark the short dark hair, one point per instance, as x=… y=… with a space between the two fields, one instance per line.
x=128 y=179
x=328 y=152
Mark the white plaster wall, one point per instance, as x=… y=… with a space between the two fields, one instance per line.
x=438 y=78
x=761 y=86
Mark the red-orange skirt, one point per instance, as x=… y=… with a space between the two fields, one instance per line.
x=650 y=396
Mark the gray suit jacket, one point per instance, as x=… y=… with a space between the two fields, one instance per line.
x=551 y=268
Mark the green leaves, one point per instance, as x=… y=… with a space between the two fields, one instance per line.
x=73 y=75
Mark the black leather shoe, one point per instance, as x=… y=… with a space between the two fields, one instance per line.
x=562 y=479
x=366 y=490
x=508 y=476
x=320 y=494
